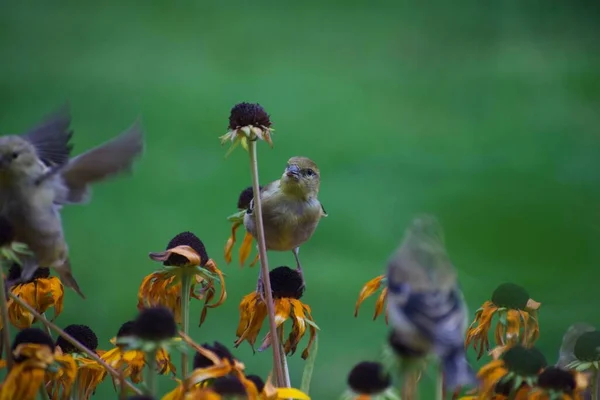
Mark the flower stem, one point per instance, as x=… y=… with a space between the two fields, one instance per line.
x=409 y=386
x=48 y=331
x=73 y=341
x=44 y=392
x=151 y=372
x=284 y=365
x=594 y=389
x=186 y=283
x=264 y=264
x=5 y=324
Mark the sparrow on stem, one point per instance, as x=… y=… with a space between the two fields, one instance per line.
x=38 y=177
x=291 y=209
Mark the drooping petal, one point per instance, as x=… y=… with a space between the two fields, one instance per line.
x=245 y=248
x=193 y=258
x=231 y=242
x=380 y=303
x=368 y=289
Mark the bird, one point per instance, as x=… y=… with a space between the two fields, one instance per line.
x=38 y=177
x=426 y=307
x=291 y=210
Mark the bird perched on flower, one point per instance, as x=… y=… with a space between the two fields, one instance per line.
x=38 y=177
x=425 y=306
x=290 y=207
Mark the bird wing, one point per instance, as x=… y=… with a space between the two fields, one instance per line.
x=51 y=137
x=266 y=191
x=323 y=212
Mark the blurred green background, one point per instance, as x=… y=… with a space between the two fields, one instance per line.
x=483 y=113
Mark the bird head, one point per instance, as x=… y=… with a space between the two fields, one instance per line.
x=301 y=177
x=17 y=156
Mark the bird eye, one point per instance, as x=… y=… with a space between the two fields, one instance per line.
x=310 y=172
x=14 y=155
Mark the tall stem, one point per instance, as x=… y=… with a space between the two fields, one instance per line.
x=409 y=385
x=151 y=372
x=44 y=392
x=595 y=388
x=186 y=283
x=264 y=264
x=284 y=365
x=5 y=323
x=74 y=342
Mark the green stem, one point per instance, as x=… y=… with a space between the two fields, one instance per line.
x=264 y=264
x=44 y=392
x=309 y=367
x=74 y=392
x=284 y=365
x=594 y=389
x=186 y=284
x=5 y=324
x=151 y=372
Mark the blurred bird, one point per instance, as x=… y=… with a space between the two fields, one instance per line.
x=426 y=308
x=290 y=208
x=37 y=177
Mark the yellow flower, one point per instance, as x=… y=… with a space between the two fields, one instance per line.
x=34 y=359
x=517 y=322
x=247 y=122
x=41 y=292
x=185 y=255
x=287 y=288
x=368 y=290
x=237 y=220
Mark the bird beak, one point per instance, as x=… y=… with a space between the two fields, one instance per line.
x=293 y=171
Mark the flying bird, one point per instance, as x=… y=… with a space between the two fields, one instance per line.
x=38 y=176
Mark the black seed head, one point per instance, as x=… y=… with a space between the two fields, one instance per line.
x=155 y=324
x=14 y=273
x=221 y=351
x=401 y=349
x=126 y=329
x=7 y=233
x=244 y=114
x=557 y=379
x=586 y=346
x=186 y=239
x=228 y=386
x=258 y=382
x=510 y=296
x=369 y=378
x=246 y=197
x=524 y=361
x=286 y=283
x=83 y=334
x=32 y=335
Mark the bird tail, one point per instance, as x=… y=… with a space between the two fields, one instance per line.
x=67 y=278
x=457 y=371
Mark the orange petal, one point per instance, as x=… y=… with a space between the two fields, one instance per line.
x=532 y=305
x=368 y=289
x=380 y=303
x=253 y=263
x=231 y=242
x=245 y=248
x=185 y=251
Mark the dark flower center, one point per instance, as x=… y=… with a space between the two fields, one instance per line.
x=369 y=378
x=186 y=239
x=557 y=379
x=510 y=296
x=7 y=232
x=401 y=349
x=286 y=283
x=155 y=324
x=244 y=114
x=246 y=197
x=32 y=335
x=258 y=382
x=228 y=386
x=221 y=351
x=586 y=346
x=524 y=361
x=14 y=273
x=83 y=334
x=126 y=329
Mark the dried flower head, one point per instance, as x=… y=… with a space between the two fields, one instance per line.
x=155 y=324
x=247 y=122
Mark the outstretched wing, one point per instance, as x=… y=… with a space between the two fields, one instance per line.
x=51 y=137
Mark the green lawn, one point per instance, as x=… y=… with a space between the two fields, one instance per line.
x=485 y=114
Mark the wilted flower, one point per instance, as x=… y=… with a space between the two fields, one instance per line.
x=247 y=122
x=559 y=384
x=287 y=288
x=517 y=319
x=237 y=220
x=586 y=351
x=185 y=258
x=369 y=381
x=368 y=290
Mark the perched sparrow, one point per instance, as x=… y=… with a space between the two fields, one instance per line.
x=290 y=208
x=37 y=177
x=426 y=308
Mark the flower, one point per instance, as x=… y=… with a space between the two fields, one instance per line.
x=237 y=220
x=247 y=122
x=89 y=372
x=41 y=292
x=185 y=258
x=287 y=289
x=517 y=314
x=513 y=369
x=586 y=351
x=33 y=352
x=132 y=362
x=559 y=384
x=369 y=381
x=368 y=290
